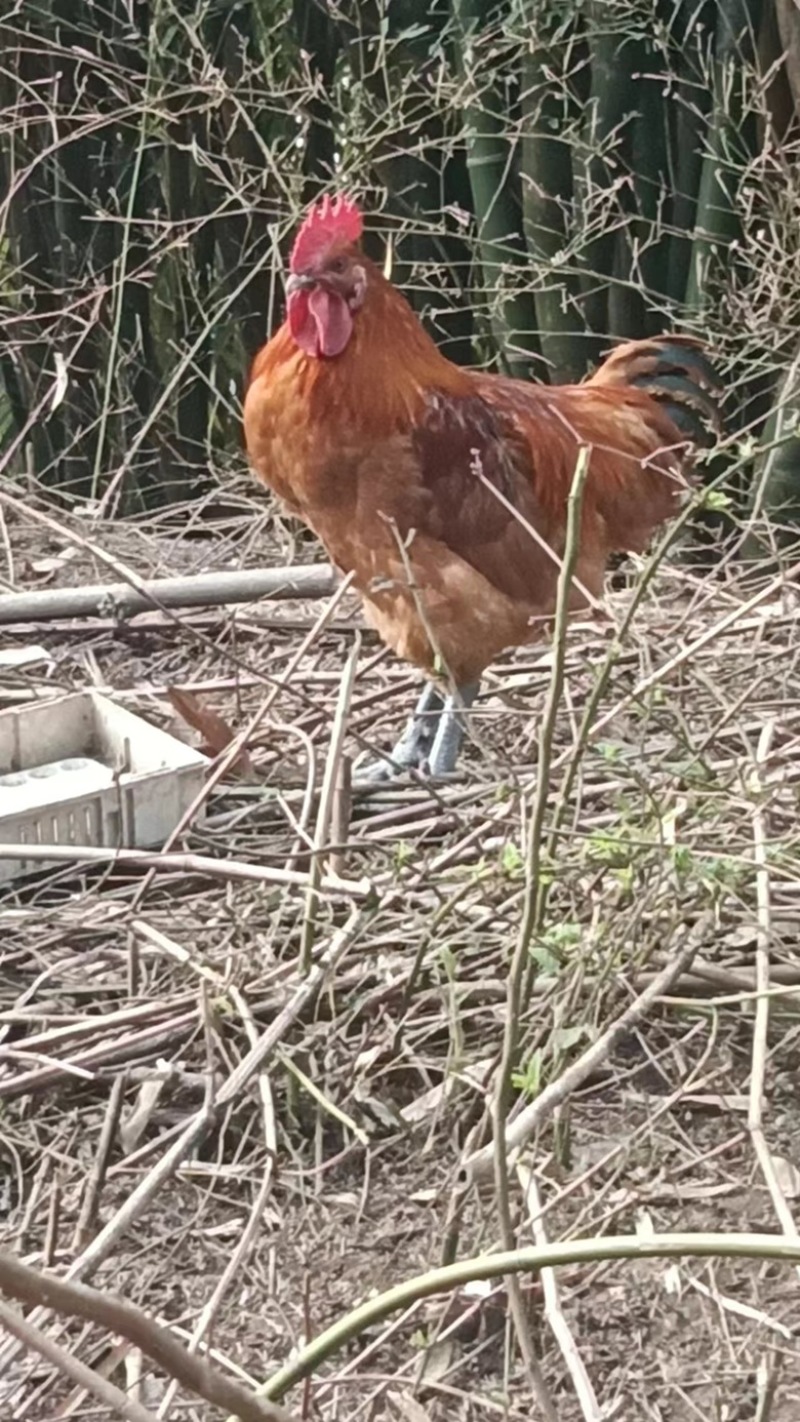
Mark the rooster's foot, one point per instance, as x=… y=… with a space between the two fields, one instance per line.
x=412 y=750
x=432 y=739
x=450 y=731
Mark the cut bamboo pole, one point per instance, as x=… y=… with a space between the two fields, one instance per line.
x=202 y=590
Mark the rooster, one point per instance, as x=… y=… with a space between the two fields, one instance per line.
x=444 y=490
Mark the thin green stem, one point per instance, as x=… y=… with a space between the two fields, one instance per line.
x=518 y=974
x=522 y=1261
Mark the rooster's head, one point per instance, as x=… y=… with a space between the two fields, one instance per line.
x=328 y=278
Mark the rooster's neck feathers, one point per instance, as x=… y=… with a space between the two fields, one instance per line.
x=383 y=378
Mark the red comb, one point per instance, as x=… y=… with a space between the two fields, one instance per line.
x=326 y=221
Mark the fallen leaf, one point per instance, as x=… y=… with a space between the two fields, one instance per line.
x=438 y=1359
x=644 y=1224
x=429 y=1102
x=133 y=1127
x=672 y=1281
x=31 y=656
x=787 y=1176
x=408 y=1407
x=61 y=384
x=217 y=734
x=54 y=561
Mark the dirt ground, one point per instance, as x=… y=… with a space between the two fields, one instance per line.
x=334 y=1170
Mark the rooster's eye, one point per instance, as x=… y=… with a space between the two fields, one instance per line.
x=338 y=264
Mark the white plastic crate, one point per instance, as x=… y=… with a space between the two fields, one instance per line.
x=82 y=770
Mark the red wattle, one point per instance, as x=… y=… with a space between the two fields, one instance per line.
x=319 y=321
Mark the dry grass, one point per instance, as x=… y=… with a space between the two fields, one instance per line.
x=326 y=1118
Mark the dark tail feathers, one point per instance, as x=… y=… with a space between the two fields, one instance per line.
x=677 y=373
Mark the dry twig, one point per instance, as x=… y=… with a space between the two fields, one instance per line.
x=75 y=1300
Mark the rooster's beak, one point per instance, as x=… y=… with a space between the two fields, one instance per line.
x=298 y=283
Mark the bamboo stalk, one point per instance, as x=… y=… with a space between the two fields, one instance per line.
x=718 y=220
x=489 y=160
x=775 y=492
x=547 y=192
x=691 y=104
x=612 y=102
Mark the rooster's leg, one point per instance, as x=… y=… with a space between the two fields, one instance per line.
x=413 y=747
x=450 y=730
x=418 y=736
